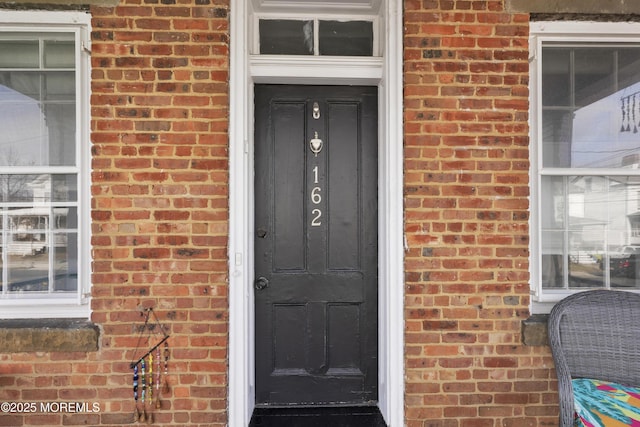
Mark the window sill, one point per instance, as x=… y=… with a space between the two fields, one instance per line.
x=534 y=330
x=573 y=6
x=61 y=4
x=50 y=335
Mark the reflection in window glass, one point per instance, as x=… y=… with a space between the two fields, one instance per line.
x=556 y=76
x=59 y=54
x=591 y=106
x=286 y=37
x=38 y=242
x=28 y=272
x=350 y=38
x=590 y=231
x=66 y=267
x=590 y=223
x=38 y=211
x=19 y=54
x=37 y=107
x=38 y=189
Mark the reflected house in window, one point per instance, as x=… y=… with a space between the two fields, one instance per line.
x=26 y=227
x=590 y=156
x=38 y=227
x=605 y=135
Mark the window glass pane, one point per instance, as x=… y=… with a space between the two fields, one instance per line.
x=26 y=249
x=598 y=245
x=64 y=188
x=38 y=240
x=19 y=54
x=628 y=60
x=38 y=118
x=61 y=128
x=59 y=54
x=556 y=131
x=553 y=203
x=59 y=86
x=552 y=259
x=351 y=38
x=20 y=188
x=624 y=267
x=24 y=86
x=588 y=212
x=556 y=77
x=286 y=37
x=65 y=218
x=594 y=74
x=553 y=231
x=28 y=270
x=65 y=251
x=591 y=106
x=38 y=189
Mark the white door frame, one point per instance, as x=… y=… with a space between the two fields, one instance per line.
x=384 y=72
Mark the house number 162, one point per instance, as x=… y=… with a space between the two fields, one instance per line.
x=316 y=198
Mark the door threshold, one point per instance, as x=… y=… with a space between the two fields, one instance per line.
x=334 y=416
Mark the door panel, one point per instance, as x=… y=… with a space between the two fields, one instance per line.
x=316 y=245
x=288 y=161
x=344 y=245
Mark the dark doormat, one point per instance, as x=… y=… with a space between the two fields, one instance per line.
x=357 y=416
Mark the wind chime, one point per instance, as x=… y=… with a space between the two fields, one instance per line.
x=145 y=377
x=630 y=106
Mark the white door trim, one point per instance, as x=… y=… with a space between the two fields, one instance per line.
x=387 y=75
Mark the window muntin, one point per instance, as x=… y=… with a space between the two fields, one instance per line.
x=585 y=160
x=44 y=171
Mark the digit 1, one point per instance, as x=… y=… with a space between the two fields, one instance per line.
x=315 y=175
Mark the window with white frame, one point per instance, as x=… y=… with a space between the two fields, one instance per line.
x=316 y=28
x=325 y=37
x=44 y=169
x=585 y=158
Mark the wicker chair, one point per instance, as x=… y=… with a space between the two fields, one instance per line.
x=594 y=334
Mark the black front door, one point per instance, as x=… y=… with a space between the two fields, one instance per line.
x=316 y=245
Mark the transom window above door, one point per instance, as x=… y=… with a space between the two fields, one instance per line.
x=315 y=37
x=316 y=28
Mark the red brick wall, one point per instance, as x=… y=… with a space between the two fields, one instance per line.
x=159 y=210
x=466 y=171
x=160 y=219
x=160 y=196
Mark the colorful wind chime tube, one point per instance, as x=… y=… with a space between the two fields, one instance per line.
x=150 y=382
x=165 y=388
x=136 y=414
x=143 y=415
x=158 y=377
